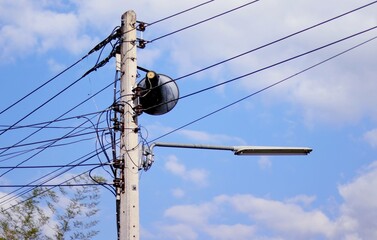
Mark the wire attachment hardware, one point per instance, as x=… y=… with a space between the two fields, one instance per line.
x=118 y=163
x=141 y=43
x=118 y=107
x=118 y=183
x=141 y=26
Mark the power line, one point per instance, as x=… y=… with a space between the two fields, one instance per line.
x=22 y=152
x=44 y=148
x=44 y=191
x=263 y=89
x=280 y=62
x=73 y=164
x=40 y=106
x=49 y=140
x=98 y=65
x=37 y=125
x=41 y=86
x=179 y=13
x=96 y=48
x=56 y=166
x=272 y=42
x=54 y=185
x=203 y=21
x=62 y=115
x=270 y=66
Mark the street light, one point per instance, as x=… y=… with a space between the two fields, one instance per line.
x=265 y=150
x=237 y=150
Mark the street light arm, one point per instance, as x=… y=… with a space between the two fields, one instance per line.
x=196 y=146
x=237 y=150
x=149 y=156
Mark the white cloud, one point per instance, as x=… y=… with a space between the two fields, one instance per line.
x=178 y=192
x=202 y=136
x=197 y=176
x=174 y=167
x=179 y=232
x=302 y=199
x=196 y=215
x=228 y=232
x=274 y=214
x=264 y=162
x=360 y=207
x=54 y=66
x=293 y=218
x=371 y=137
x=198 y=137
x=36 y=27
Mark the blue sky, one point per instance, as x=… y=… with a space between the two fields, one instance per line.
x=202 y=194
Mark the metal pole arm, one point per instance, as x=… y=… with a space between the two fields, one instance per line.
x=237 y=150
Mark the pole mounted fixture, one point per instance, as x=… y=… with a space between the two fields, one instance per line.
x=158 y=93
x=237 y=150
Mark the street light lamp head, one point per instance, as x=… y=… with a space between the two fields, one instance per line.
x=261 y=150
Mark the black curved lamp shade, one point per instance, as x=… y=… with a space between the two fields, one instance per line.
x=159 y=93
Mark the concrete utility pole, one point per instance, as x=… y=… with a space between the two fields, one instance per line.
x=129 y=197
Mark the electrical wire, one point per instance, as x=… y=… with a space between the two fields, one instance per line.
x=203 y=21
x=270 y=43
x=105 y=185
x=62 y=115
x=44 y=191
x=98 y=65
x=38 y=152
x=269 y=66
x=42 y=105
x=264 y=89
x=179 y=13
x=55 y=185
x=50 y=140
x=102 y=146
x=96 y=48
x=37 y=125
x=55 y=166
x=74 y=163
x=22 y=152
x=44 y=84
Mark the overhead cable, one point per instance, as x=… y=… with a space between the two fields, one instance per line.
x=271 y=43
x=278 y=63
x=269 y=66
x=54 y=185
x=203 y=21
x=96 y=48
x=49 y=140
x=10 y=196
x=55 y=166
x=278 y=40
x=37 y=125
x=179 y=13
x=43 y=149
x=56 y=119
x=16 y=154
x=43 y=192
x=263 y=89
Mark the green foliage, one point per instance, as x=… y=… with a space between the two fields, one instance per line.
x=46 y=214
